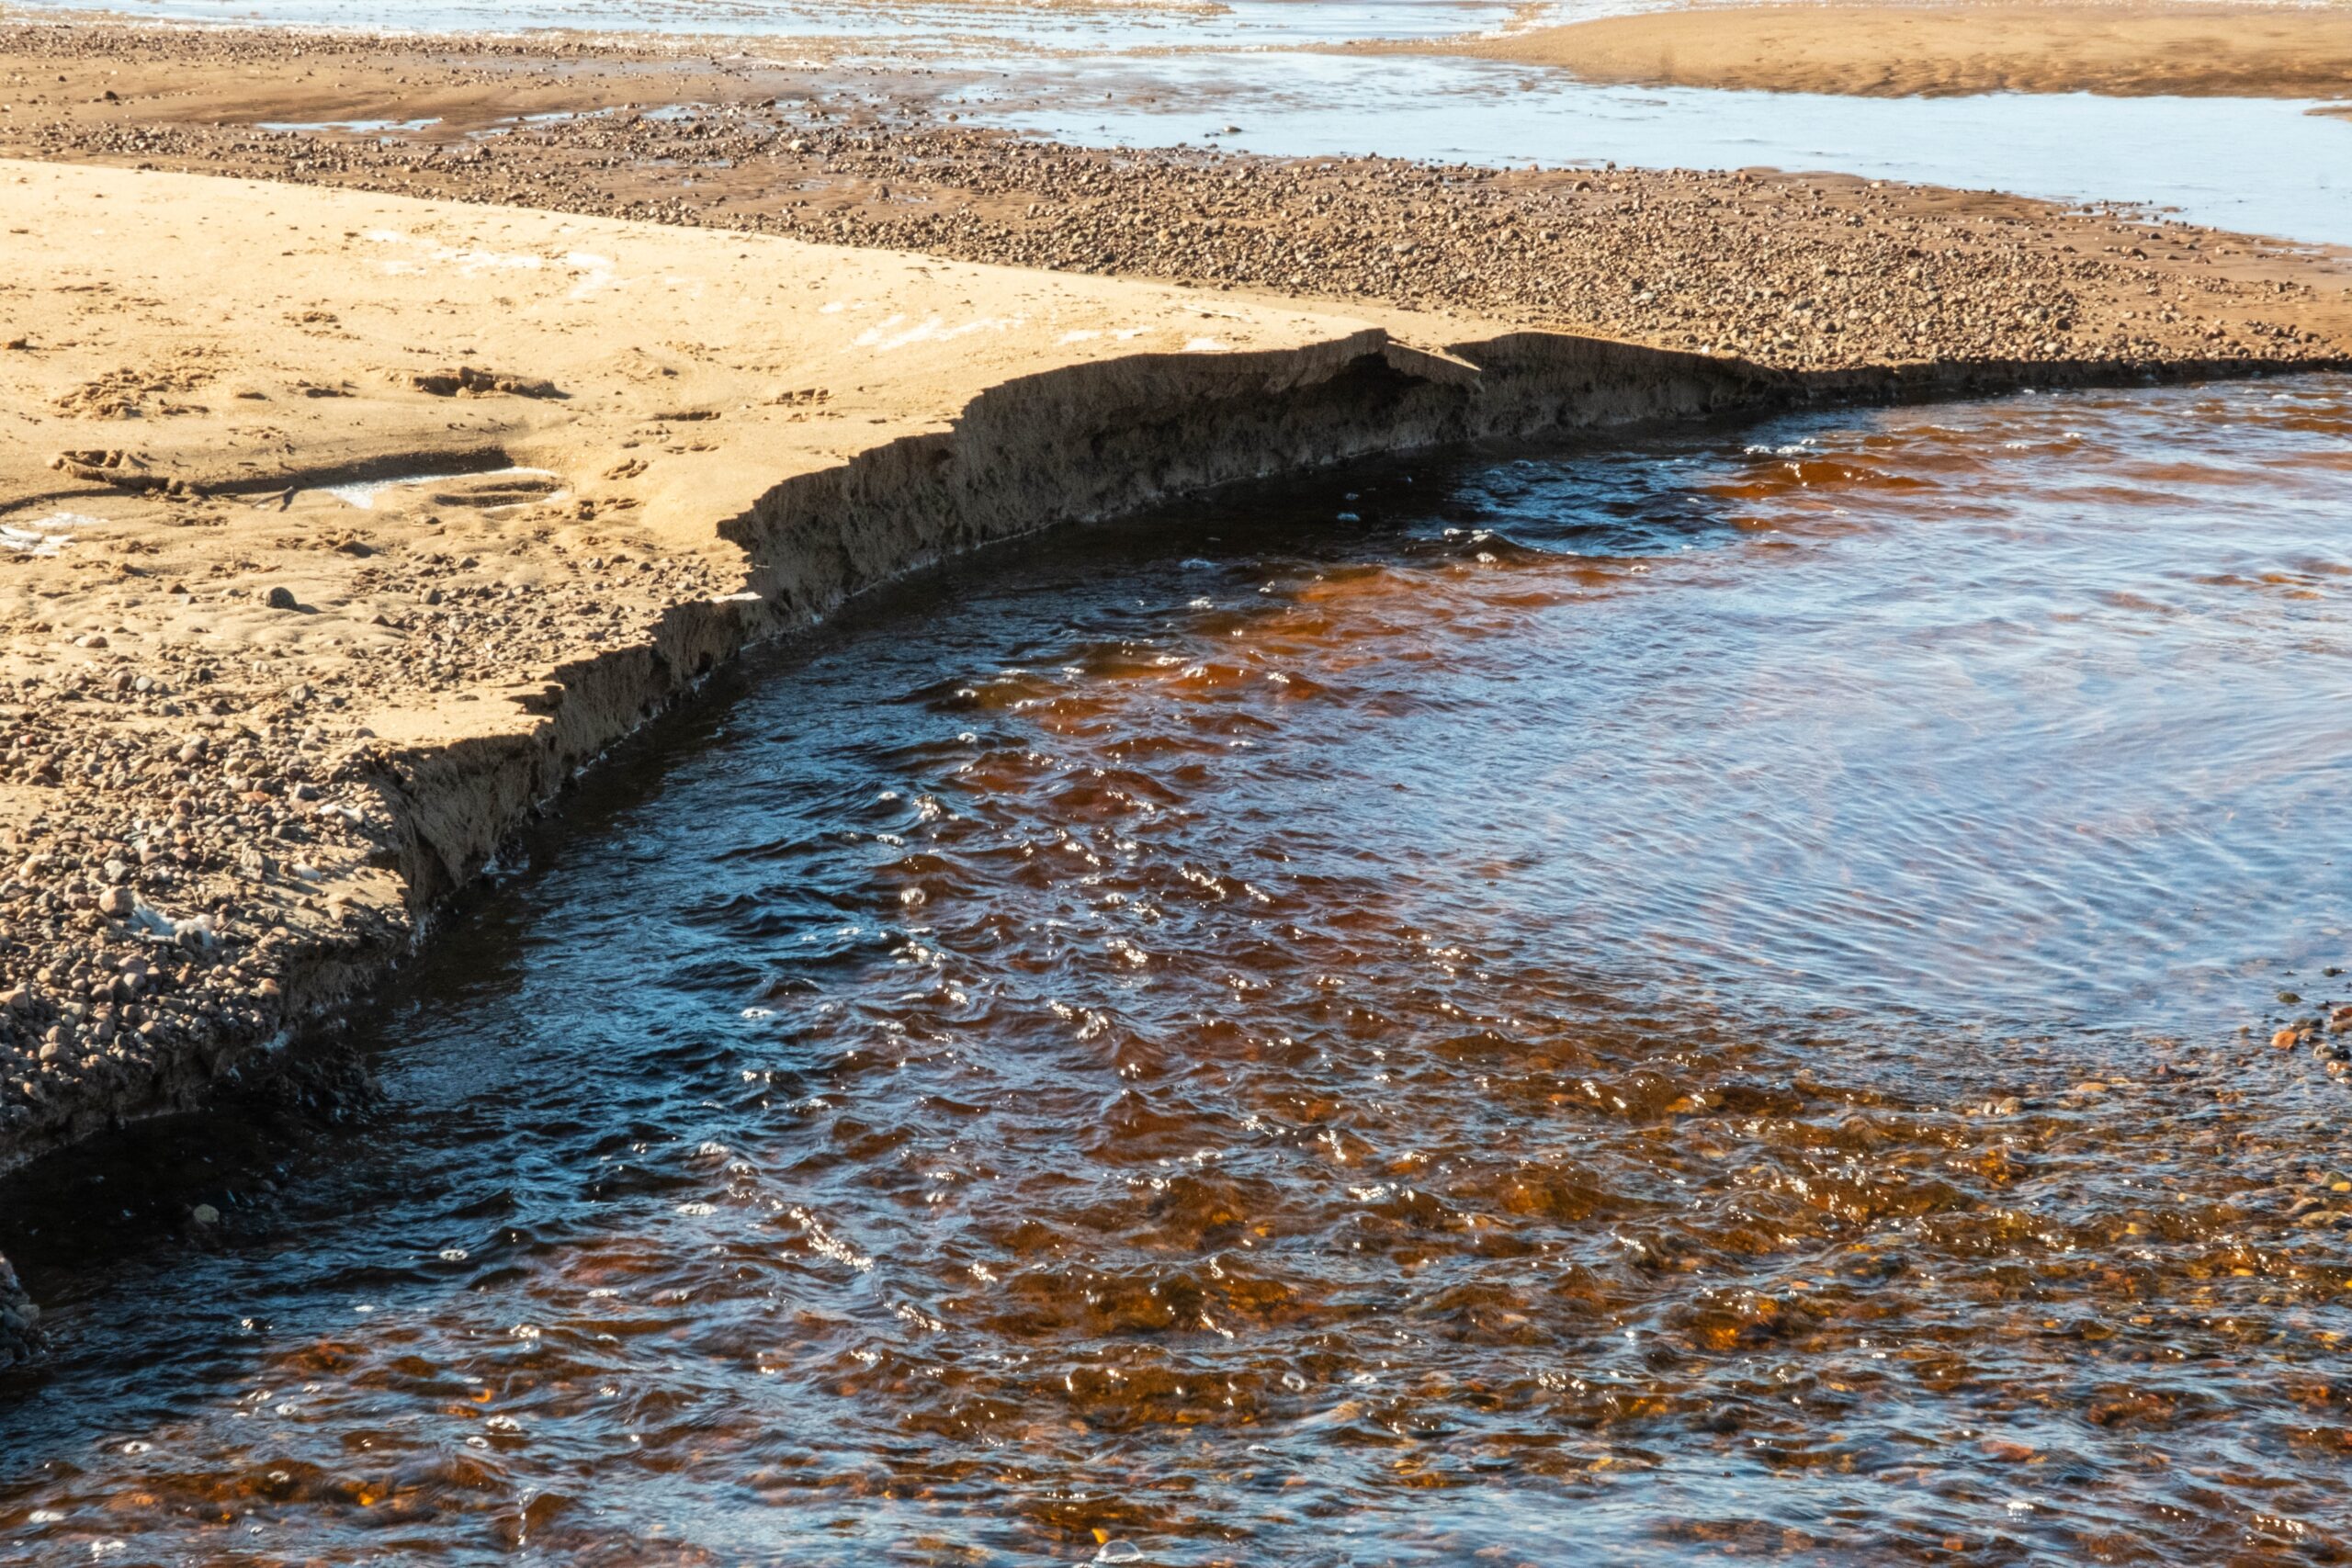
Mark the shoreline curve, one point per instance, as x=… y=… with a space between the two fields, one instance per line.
x=476 y=443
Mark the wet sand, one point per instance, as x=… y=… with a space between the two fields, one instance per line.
x=1898 y=50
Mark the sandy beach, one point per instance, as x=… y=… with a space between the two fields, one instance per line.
x=364 y=482
x=1903 y=50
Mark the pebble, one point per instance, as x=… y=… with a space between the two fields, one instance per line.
x=147 y=930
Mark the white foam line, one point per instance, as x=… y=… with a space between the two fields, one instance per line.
x=363 y=495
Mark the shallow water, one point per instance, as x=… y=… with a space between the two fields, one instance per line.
x=1572 y=1004
x=2253 y=165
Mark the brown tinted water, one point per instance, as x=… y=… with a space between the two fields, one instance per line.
x=1709 y=998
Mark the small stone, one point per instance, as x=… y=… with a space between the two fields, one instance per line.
x=280 y=598
x=204 y=1215
x=117 y=902
x=2285 y=1037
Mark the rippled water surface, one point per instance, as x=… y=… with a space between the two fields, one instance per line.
x=1704 y=998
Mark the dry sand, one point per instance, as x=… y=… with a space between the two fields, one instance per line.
x=1894 y=51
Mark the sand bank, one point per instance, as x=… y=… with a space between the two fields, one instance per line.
x=343 y=529
x=1897 y=51
x=1803 y=272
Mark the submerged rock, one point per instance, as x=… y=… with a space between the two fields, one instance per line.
x=19 y=1319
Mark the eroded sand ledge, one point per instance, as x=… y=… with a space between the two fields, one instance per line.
x=254 y=730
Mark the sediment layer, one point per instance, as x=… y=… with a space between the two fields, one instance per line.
x=1878 y=50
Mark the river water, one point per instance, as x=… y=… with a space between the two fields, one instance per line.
x=1262 y=76
x=1709 y=995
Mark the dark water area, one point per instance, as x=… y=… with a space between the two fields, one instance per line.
x=1705 y=999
